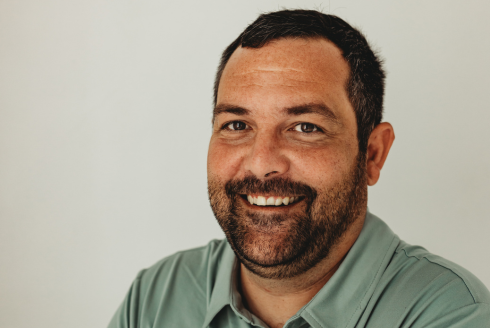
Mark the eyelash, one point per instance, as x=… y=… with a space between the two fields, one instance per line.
x=227 y=124
x=316 y=127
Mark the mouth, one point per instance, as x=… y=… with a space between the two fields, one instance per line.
x=271 y=200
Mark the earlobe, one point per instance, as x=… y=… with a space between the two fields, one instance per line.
x=379 y=145
x=373 y=173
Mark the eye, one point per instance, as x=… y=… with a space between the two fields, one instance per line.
x=235 y=126
x=306 y=127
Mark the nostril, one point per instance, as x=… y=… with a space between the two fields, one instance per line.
x=270 y=173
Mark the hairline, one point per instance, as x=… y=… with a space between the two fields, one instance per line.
x=312 y=37
x=348 y=81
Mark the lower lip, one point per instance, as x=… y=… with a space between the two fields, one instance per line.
x=270 y=207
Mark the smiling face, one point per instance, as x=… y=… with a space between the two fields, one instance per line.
x=285 y=177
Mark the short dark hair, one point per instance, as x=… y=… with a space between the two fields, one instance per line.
x=365 y=86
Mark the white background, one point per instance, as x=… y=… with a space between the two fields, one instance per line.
x=105 y=110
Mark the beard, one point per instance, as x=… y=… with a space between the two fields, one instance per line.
x=278 y=246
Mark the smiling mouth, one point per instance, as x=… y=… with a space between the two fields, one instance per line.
x=271 y=201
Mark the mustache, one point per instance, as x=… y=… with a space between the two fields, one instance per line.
x=276 y=186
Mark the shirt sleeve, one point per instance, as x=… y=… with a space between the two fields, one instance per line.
x=476 y=315
x=127 y=314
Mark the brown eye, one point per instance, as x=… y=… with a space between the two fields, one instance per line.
x=306 y=128
x=237 y=126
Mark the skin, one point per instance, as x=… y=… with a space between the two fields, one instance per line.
x=265 y=82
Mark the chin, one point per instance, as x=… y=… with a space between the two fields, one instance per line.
x=287 y=241
x=266 y=249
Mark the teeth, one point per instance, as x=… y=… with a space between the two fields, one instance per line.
x=270 y=201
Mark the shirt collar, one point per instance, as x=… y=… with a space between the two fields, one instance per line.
x=344 y=297
x=221 y=285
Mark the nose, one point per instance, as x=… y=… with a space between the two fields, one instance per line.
x=265 y=158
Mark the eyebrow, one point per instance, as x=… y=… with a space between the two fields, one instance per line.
x=313 y=108
x=231 y=109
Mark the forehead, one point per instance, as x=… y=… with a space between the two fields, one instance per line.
x=288 y=70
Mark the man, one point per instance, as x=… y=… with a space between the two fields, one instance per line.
x=297 y=138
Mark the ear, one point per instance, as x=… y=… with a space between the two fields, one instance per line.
x=379 y=145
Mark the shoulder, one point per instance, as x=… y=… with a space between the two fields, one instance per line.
x=430 y=269
x=183 y=280
x=188 y=266
x=174 y=291
x=195 y=259
x=419 y=288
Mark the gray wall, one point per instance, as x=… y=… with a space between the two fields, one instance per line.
x=104 y=125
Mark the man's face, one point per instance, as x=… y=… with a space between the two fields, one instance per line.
x=284 y=128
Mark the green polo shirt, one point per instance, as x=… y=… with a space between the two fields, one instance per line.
x=382 y=282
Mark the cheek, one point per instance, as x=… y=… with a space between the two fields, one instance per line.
x=320 y=167
x=223 y=160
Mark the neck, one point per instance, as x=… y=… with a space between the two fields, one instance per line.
x=274 y=301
